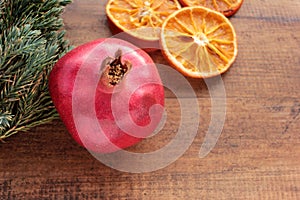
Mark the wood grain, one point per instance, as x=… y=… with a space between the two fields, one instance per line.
x=256 y=157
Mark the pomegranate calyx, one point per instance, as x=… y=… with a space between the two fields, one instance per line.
x=115 y=70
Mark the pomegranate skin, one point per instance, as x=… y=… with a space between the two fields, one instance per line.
x=99 y=117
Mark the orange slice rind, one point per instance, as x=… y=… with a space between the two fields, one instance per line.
x=227 y=7
x=141 y=19
x=199 y=42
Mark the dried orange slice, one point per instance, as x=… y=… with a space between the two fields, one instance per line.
x=199 y=42
x=227 y=7
x=141 y=19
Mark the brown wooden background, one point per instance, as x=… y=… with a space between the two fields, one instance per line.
x=256 y=157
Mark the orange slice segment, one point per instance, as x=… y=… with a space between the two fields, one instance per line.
x=140 y=18
x=227 y=7
x=199 y=42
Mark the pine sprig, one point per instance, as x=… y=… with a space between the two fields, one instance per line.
x=30 y=44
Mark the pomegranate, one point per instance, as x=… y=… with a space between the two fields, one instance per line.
x=108 y=93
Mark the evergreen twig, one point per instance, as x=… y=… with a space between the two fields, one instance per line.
x=30 y=44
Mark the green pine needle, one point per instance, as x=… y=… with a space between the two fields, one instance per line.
x=30 y=44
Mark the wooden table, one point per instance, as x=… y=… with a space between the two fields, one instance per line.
x=256 y=157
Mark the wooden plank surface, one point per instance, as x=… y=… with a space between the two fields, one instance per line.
x=256 y=157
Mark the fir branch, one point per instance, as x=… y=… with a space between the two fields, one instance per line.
x=30 y=44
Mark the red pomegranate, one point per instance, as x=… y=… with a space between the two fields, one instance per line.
x=108 y=93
